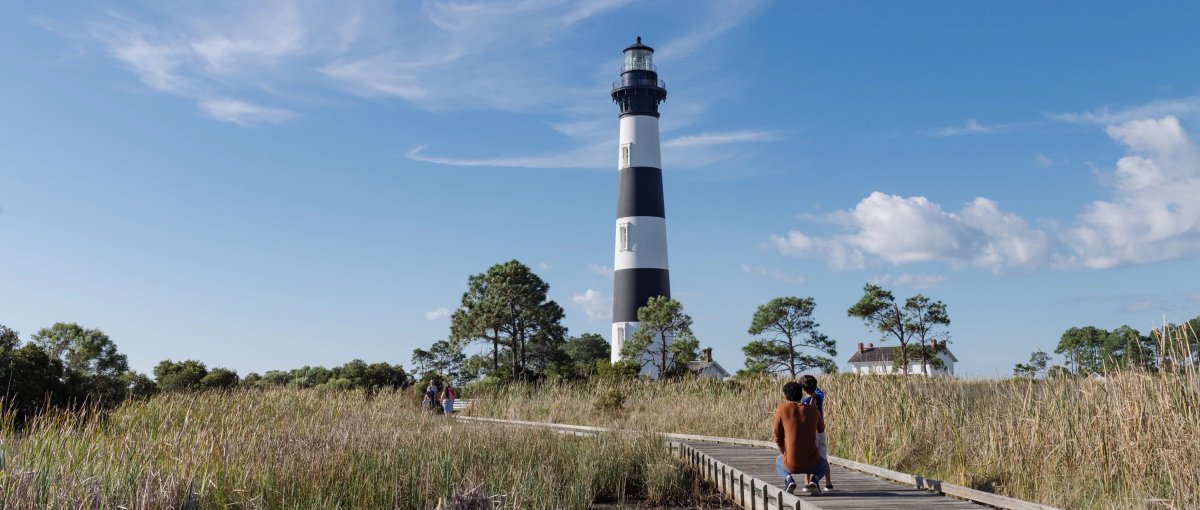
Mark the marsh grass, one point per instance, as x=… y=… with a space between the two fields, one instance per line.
x=292 y=448
x=1074 y=443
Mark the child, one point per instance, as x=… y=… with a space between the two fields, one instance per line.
x=818 y=399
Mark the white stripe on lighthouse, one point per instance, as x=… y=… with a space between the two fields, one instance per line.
x=641 y=243
x=639 y=134
x=621 y=333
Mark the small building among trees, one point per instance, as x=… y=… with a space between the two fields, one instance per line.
x=884 y=360
x=706 y=367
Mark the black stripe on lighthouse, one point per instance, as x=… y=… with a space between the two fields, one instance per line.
x=640 y=192
x=634 y=287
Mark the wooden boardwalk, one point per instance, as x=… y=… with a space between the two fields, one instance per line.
x=744 y=471
x=746 y=475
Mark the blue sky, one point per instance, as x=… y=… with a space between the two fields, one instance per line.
x=286 y=183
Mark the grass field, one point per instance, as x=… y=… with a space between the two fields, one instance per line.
x=1119 y=442
x=1072 y=443
x=307 y=449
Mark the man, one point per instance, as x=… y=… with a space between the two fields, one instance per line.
x=815 y=397
x=796 y=428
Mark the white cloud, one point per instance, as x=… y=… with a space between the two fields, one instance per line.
x=1153 y=214
x=545 y=266
x=903 y=230
x=1043 y=160
x=594 y=305
x=243 y=113
x=774 y=274
x=1178 y=107
x=437 y=314
x=601 y=270
x=912 y=281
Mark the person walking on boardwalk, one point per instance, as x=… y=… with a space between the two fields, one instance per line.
x=815 y=397
x=431 y=395
x=796 y=428
x=448 y=399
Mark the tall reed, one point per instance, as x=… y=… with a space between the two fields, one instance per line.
x=291 y=448
x=1115 y=442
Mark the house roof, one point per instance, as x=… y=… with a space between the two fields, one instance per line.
x=885 y=354
x=700 y=366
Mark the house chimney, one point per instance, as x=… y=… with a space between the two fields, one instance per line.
x=860 y=347
x=707 y=354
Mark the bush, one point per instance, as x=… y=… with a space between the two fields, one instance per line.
x=222 y=378
x=611 y=401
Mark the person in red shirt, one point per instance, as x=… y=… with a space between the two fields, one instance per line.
x=796 y=428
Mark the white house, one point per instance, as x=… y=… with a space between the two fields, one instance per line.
x=881 y=360
x=706 y=367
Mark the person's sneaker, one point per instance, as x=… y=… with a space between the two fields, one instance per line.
x=791 y=488
x=828 y=488
x=813 y=489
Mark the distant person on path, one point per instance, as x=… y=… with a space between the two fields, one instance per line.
x=431 y=395
x=815 y=397
x=796 y=428
x=448 y=399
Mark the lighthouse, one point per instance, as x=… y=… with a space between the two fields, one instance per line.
x=640 y=260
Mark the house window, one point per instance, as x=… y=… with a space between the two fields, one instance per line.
x=623 y=237
x=626 y=148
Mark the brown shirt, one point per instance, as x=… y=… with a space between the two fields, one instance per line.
x=796 y=427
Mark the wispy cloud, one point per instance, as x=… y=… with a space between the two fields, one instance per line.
x=266 y=63
x=1043 y=160
x=243 y=113
x=718 y=18
x=437 y=314
x=602 y=154
x=1105 y=115
x=973 y=127
x=774 y=274
x=601 y=270
x=586 y=157
x=594 y=305
x=912 y=281
x=720 y=138
x=1144 y=303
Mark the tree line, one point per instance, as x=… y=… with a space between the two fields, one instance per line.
x=67 y=366
x=506 y=312
x=1088 y=350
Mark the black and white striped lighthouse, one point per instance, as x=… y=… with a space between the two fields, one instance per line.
x=640 y=262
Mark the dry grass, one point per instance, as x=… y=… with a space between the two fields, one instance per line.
x=308 y=449
x=1073 y=443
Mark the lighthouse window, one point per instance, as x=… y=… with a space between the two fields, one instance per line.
x=620 y=335
x=626 y=148
x=623 y=237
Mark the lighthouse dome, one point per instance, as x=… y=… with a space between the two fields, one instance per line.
x=638 y=57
